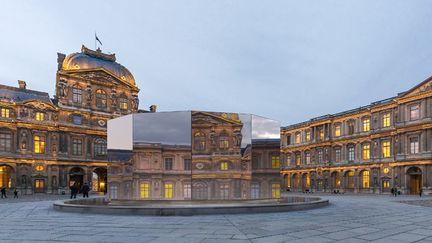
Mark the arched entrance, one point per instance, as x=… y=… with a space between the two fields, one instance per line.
x=296 y=182
x=99 y=180
x=335 y=180
x=6 y=176
x=306 y=182
x=199 y=191
x=349 y=180
x=287 y=182
x=414 y=180
x=76 y=177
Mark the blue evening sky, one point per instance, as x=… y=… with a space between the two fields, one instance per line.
x=287 y=60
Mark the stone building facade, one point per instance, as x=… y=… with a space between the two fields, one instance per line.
x=48 y=144
x=372 y=149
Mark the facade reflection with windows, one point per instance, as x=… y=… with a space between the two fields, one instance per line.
x=193 y=155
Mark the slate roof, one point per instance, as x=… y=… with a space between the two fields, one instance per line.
x=19 y=95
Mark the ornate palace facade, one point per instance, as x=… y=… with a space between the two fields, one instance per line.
x=48 y=144
x=387 y=144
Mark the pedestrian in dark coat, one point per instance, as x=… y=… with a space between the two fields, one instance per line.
x=420 y=192
x=85 y=190
x=74 y=190
x=15 y=193
x=3 y=192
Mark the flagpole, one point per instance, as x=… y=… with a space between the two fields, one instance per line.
x=95 y=40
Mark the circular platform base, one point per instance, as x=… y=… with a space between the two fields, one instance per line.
x=187 y=208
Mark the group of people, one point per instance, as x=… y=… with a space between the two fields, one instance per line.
x=75 y=189
x=3 y=193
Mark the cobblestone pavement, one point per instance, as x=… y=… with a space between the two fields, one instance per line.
x=358 y=218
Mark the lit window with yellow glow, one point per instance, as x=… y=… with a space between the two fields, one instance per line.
x=307 y=182
x=386 y=149
x=123 y=104
x=366 y=151
x=5 y=112
x=386 y=184
x=275 y=190
x=39 y=144
x=298 y=159
x=386 y=120
x=40 y=116
x=40 y=167
x=337 y=130
x=321 y=134
x=224 y=166
x=275 y=162
x=223 y=143
x=144 y=190
x=308 y=136
x=39 y=183
x=168 y=190
x=297 y=138
x=365 y=179
x=366 y=125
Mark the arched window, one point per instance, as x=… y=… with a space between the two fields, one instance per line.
x=350 y=179
x=100 y=147
x=199 y=141
x=101 y=99
x=5 y=177
x=77 y=94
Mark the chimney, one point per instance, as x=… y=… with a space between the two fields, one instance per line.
x=22 y=84
x=153 y=108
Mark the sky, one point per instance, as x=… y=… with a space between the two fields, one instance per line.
x=286 y=60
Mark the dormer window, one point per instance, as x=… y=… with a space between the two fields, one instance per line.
x=40 y=116
x=101 y=99
x=5 y=112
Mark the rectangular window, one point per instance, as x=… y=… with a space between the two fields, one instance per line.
x=224 y=191
x=321 y=134
x=275 y=190
x=144 y=190
x=40 y=116
x=366 y=151
x=223 y=143
x=386 y=149
x=5 y=142
x=386 y=184
x=365 y=179
x=113 y=191
x=337 y=154
x=351 y=128
x=298 y=159
x=320 y=156
x=288 y=139
x=39 y=144
x=297 y=138
x=366 y=125
x=77 y=146
x=187 y=164
x=288 y=159
x=337 y=130
x=351 y=155
x=307 y=158
x=386 y=120
x=168 y=190
x=255 y=191
x=224 y=166
x=168 y=163
x=76 y=95
x=5 y=112
x=187 y=191
x=275 y=162
x=414 y=112
x=308 y=136
x=123 y=104
x=414 y=145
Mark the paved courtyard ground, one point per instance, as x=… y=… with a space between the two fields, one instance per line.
x=355 y=218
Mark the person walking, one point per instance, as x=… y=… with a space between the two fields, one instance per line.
x=420 y=192
x=15 y=193
x=3 y=192
x=85 y=190
x=73 y=190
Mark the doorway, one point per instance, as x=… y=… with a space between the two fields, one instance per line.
x=415 y=180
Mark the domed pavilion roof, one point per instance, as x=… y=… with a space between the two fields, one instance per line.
x=91 y=60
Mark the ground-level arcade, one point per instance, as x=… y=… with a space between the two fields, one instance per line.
x=408 y=177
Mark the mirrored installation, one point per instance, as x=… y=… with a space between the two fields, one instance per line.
x=193 y=155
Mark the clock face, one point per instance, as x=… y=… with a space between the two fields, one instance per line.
x=101 y=123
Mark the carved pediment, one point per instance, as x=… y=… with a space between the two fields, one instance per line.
x=98 y=75
x=215 y=118
x=422 y=87
x=40 y=105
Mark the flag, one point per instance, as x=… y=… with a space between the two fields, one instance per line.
x=98 y=39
